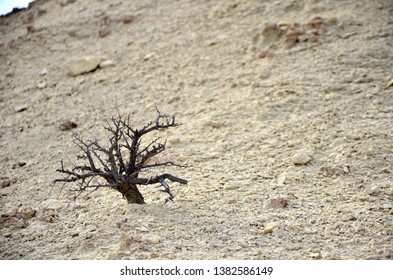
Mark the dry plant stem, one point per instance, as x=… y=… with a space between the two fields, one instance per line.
x=120 y=171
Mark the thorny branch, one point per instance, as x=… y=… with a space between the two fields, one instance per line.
x=121 y=172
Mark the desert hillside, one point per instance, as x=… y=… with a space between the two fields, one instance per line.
x=287 y=112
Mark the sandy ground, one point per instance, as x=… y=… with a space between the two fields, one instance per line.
x=288 y=125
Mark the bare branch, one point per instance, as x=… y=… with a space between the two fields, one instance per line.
x=119 y=172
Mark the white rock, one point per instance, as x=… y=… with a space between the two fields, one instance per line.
x=316 y=255
x=152 y=239
x=51 y=204
x=282 y=179
x=302 y=156
x=78 y=66
x=21 y=108
x=373 y=191
x=44 y=72
x=107 y=63
x=270 y=227
x=231 y=186
x=41 y=84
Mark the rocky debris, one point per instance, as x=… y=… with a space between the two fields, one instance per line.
x=270 y=227
x=316 y=255
x=41 y=84
x=107 y=63
x=120 y=222
x=302 y=157
x=64 y=3
x=287 y=35
x=390 y=83
x=21 y=108
x=6 y=182
x=43 y=72
x=27 y=212
x=338 y=170
x=276 y=203
x=104 y=31
x=282 y=179
x=232 y=185
x=85 y=64
x=17 y=217
x=19 y=164
x=48 y=216
x=151 y=239
x=88 y=233
x=52 y=204
x=12 y=219
x=127 y=19
x=373 y=191
x=68 y=125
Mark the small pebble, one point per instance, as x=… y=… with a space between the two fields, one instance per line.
x=270 y=227
x=68 y=125
x=41 y=84
x=107 y=63
x=302 y=157
x=21 y=108
x=152 y=239
x=104 y=31
x=28 y=213
x=81 y=65
x=276 y=203
x=315 y=255
x=51 y=204
x=127 y=19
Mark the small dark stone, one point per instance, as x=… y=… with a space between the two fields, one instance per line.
x=68 y=125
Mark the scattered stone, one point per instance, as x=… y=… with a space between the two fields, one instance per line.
x=272 y=32
x=30 y=28
x=232 y=201
x=142 y=229
x=390 y=83
x=68 y=125
x=19 y=164
x=52 y=204
x=44 y=72
x=270 y=227
x=83 y=65
x=12 y=219
x=152 y=239
x=373 y=191
x=231 y=186
x=127 y=18
x=107 y=63
x=263 y=54
x=27 y=213
x=21 y=108
x=41 y=84
x=174 y=140
x=338 y=170
x=292 y=36
x=302 y=157
x=348 y=217
x=276 y=203
x=6 y=182
x=386 y=206
x=148 y=56
x=66 y=2
x=104 y=31
x=315 y=255
x=282 y=179
x=121 y=222
x=74 y=233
